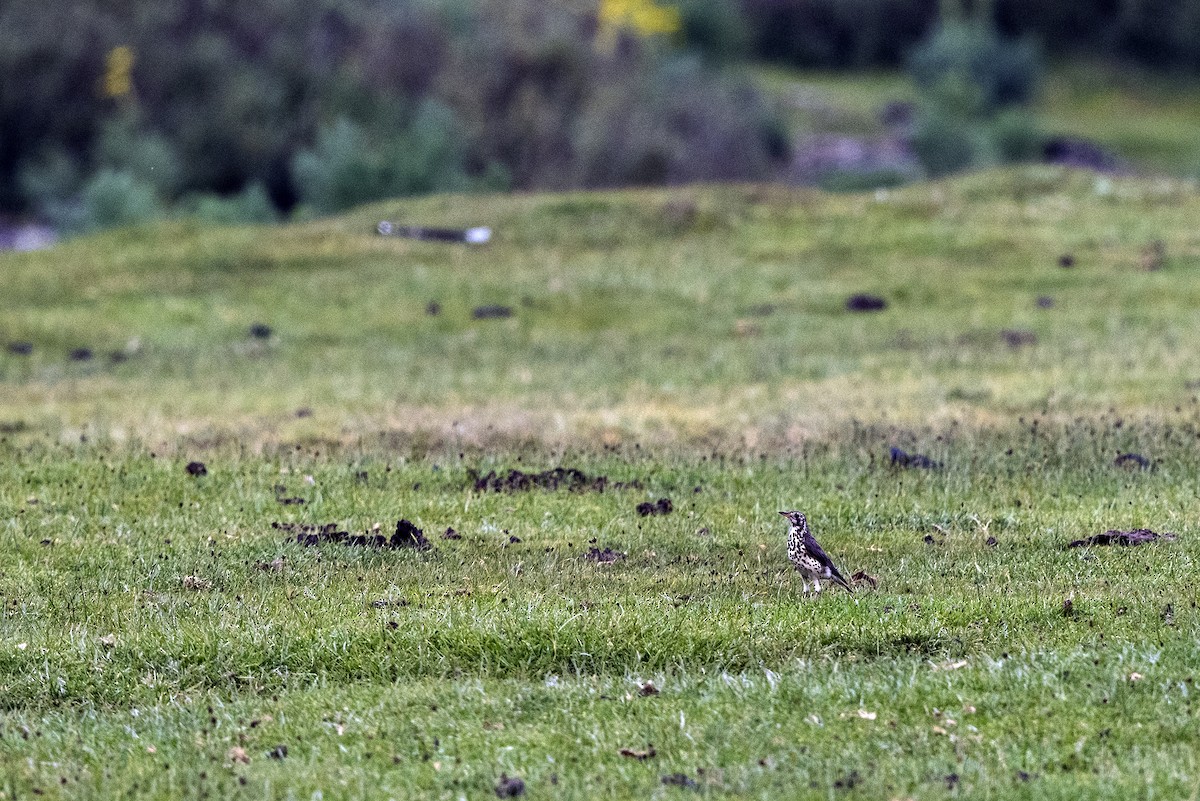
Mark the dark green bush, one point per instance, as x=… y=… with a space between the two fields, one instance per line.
x=113 y=198
x=250 y=206
x=975 y=84
x=336 y=102
x=717 y=28
x=1001 y=72
x=838 y=33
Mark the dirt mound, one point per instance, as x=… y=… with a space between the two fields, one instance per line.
x=662 y=506
x=567 y=478
x=1137 y=536
x=312 y=534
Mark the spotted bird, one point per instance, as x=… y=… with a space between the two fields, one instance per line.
x=806 y=554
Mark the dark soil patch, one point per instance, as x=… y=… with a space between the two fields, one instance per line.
x=451 y=534
x=13 y=426
x=648 y=689
x=409 y=536
x=1045 y=302
x=604 y=557
x=20 y=348
x=649 y=753
x=680 y=780
x=1066 y=261
x=433 y=308
x=278 y=752
x=260 y=331
x=492 y=312
x=992 y=542
x=762 y=310
x=567 y=478
x=1132 y=461
x=919 y=461
x=196 y=469
x=662 y=506
x=1018 y=337
x=80 y=355
x=865 y=303
x=509 y=786
x=849 y=781
x=311 y=534
x=1137 y=536
x=1154 y=255
x=303 y=413
x=290 y=501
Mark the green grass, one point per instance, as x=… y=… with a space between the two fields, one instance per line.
x=152 y=622
x=1148 y=119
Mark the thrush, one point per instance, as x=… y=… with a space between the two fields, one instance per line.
x=807 y=555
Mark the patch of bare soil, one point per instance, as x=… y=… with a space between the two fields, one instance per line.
x=310 y=534
x=509 y=786
x=915 y=460
x=865 y=303
x=568 y=478
x=662 y=506
x=604 y=557
x=1137 y=536
x=492 y=312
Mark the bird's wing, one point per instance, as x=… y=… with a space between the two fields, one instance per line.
x=817 y=552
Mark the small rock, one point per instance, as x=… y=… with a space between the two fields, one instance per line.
x=260 y=331
x=196 y=469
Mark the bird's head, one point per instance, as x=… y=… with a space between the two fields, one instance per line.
x=795 y=518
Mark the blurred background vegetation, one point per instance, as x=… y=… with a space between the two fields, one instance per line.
x=116 y=112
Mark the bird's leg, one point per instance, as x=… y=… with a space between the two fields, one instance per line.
x=817 y=586
x=805 y=590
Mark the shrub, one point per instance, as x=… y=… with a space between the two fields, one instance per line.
x=974 y=86
x=113 y=198
x=350 y=164
x=250 y=206
x=1002 y=72
x=716 y=28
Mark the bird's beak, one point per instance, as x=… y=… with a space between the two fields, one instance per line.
x=785 y=514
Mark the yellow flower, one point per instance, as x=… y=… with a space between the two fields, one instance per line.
x=645 y=17
x=118 y=72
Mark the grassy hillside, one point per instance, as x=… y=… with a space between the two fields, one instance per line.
x=686 y=316
x=163 y=634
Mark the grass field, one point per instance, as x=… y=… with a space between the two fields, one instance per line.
x=1149 y=120
x=164 y=635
